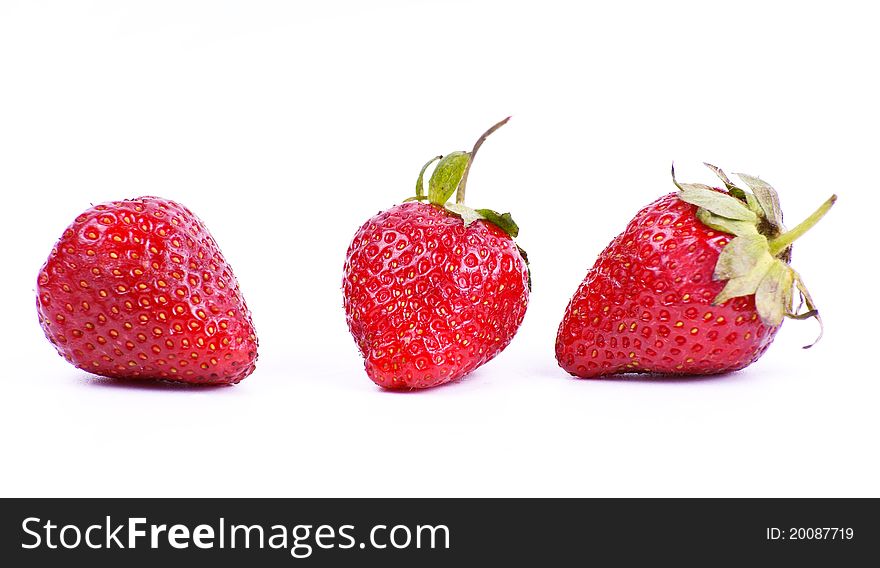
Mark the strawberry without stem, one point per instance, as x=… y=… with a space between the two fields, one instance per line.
x=698 y=283
x=434 y=290
x=138 y=289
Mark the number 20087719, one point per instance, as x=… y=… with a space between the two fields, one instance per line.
x=810 y=533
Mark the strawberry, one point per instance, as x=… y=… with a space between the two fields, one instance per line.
x=432 y=290
x=698 y=283
x=138 y=289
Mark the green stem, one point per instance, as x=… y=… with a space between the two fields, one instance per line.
x=783 y=241
x=459 y=196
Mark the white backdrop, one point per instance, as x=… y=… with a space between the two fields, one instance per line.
x=285 y=125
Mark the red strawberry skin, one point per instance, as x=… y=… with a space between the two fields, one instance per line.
x=646 y=305
x=429 y=300
x=138 y=289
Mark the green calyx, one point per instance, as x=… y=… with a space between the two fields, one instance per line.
x=756 y=260
x=450 y=177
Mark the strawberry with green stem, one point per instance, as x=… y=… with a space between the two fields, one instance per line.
x=434 y=289
x=698 y=283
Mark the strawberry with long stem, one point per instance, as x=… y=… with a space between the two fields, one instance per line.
x=434 y=289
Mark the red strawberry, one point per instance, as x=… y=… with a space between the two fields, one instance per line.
x=138 y=289
x=434 y=290
x=698 y=283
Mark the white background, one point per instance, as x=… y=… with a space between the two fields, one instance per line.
x=285 y=125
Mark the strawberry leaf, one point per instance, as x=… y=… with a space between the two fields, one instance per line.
x=744 y=285
x=767 y=198
x=773 y=295
x=722 y=176
x=726 y=225
x=467 y=214
x=732 y=189
x=716 y=202
x=753 y=204
x=420 y=183
x=741 y=256
x=504 y=221
x=446 y=177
